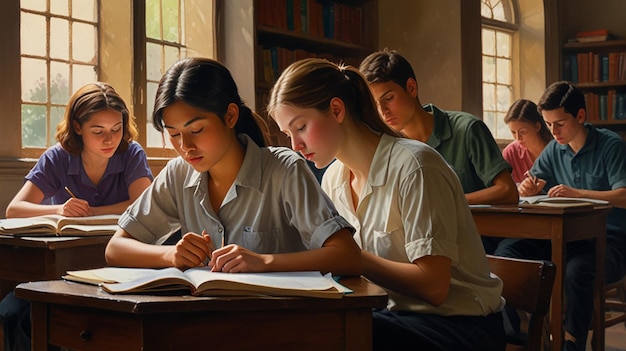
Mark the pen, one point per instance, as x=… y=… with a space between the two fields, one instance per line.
x=223 y=239
x=70 y=192
x=532 y=177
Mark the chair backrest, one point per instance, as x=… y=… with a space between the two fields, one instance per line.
x=527 y=287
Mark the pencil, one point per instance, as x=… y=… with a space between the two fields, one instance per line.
x=70 y=192
x=223 y=239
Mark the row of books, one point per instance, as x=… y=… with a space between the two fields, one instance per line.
x=589 y=67
x=321 y=20
x=606 y=107
x=275 y=59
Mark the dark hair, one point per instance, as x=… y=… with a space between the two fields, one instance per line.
x=313 y=82
x=385 y=66
x=562 y=94
x=207 y=85
x=89 y=99
x=526 y=111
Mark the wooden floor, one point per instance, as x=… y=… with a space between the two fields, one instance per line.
x=615 y=339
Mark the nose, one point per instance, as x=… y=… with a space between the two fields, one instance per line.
x=296 y=144
x=186 y=144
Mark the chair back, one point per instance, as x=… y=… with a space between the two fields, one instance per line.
x=527 y=287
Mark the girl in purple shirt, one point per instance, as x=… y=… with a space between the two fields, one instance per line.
x=96 y=159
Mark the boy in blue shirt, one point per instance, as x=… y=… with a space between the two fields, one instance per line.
x=581 y=161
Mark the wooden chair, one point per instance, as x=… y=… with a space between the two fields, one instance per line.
x=527 y=287
x=614 y=305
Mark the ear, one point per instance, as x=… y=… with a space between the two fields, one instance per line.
x=232 y=115
x=411 y=87
x=581 y=116
x=337 y=109
x=77 y=128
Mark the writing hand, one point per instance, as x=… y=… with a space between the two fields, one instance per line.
x=191 y=250
x=74 y=207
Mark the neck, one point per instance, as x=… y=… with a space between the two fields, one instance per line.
x=420 y=126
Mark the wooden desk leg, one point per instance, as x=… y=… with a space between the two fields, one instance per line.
x=359 y=330
x=598 y=297
x=39 y=326
x=556 y=311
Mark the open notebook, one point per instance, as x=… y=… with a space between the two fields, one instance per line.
x=57 y=225
x=545 y=200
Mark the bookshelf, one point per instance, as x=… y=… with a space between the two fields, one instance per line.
x=599 y=70
x=289 y=30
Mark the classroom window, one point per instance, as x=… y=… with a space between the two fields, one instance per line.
x=499 y=27
x=58 y=54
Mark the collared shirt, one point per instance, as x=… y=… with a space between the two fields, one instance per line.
x=56 y=168
x=275 y=204
x=412 y=206
x=599 y=165
x=519 y=158
x=468 y=146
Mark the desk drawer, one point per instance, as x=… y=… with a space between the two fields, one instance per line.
x=93 y=330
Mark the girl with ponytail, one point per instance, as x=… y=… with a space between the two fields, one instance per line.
x=415 y=229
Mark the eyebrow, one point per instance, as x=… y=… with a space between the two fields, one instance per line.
x=186 y=123
x=99 y=126
x=384 y=94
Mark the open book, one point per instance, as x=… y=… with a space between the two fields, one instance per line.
x=51 y=225
x=201 y=281
x=545 y=200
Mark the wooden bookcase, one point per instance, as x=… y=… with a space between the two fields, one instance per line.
x=288 y=30
x=599 y=70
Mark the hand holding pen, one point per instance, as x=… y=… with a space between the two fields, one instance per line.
x=74 y=207
x=531 y=185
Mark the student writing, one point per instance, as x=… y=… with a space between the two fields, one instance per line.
x=414 y=227
x=97 y=157
x=582 y=161
x=264 y=201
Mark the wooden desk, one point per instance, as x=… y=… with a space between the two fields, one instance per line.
x=560 y=225
x=82 y=317
x=46 y=258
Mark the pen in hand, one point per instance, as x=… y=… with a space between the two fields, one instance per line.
x=70 y=192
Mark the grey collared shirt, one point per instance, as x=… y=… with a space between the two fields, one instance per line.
x=275 y=204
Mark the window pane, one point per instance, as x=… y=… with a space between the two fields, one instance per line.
x=489 y=97
x=503 y=41
x=154 y=138
x=171 y=56
x=502 y=130
x=489 y=69
x=170 y=20
x=84 y=10
x=33 y=125
x=504 y=97
x=498 y=11
x=59 y=82
x=153 y=19
x=36 y=5
x=489 y=42
x=83 y=74
x=489 y=119
x=33 y=34
x=34 y=85
x=60 y=7
x=56 y=116
x=153 y=61
x=84 y=37
x=59 y=35
x=504 y=71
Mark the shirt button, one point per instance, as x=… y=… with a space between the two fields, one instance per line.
x=220 y=230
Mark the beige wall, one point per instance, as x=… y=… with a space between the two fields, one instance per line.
x=427 y=33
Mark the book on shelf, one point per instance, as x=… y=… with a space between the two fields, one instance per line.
x=547 y=201
x=57 y=225
x=200 y=281
x=593 y=36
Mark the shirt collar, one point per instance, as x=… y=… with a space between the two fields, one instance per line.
x=441 y=129
x=380 y=163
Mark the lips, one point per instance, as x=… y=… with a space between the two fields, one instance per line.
x=309 y=157
x=193 y=160
x=108 y=150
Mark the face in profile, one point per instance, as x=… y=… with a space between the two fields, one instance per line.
x=313 y=134
x=396 y=105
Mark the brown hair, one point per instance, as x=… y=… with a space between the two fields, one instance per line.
x=526 y=111
x=89 y=99
x=313 y=82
